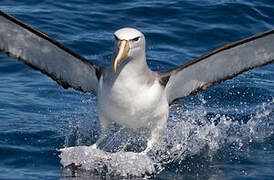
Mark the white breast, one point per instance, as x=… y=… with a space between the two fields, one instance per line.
x=131 y=104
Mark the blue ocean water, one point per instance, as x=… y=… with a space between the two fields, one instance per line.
x=225 y=132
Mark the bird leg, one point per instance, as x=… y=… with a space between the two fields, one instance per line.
x=104 y=126
x=156 y=133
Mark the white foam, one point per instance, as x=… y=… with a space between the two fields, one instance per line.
x=120 y=163
x=189 y=132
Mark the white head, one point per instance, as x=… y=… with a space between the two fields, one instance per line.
x=129 y=44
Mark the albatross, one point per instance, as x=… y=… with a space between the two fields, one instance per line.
x=129 y=92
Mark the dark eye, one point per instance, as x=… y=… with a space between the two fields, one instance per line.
x=116 y=38
x=136 y=39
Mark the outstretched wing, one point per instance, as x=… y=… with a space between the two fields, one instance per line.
x=38 y=50
x=221 y=64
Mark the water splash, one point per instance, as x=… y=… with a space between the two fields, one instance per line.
x=191 y=132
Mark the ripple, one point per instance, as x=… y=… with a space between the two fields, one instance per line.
x=224 y=132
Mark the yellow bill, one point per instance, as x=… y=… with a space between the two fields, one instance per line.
x=122 y=54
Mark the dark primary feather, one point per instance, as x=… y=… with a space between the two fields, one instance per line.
x=39 y=51
x=69 y=69
x=221 y=64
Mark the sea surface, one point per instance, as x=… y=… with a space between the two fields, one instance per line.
x=225 y=132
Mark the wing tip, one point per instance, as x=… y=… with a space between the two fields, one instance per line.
x=217 y=50
x=48 y=38
x=209 y=84
x=10 y=19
